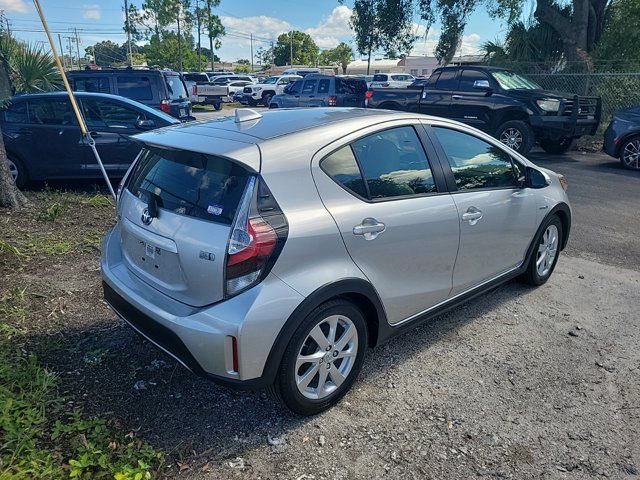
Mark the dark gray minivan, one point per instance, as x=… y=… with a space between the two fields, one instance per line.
x=161 y=89
x=322 y=91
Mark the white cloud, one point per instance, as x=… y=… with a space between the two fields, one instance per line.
x=262 y=27
x=470 y=44
x=333 y=29
x=14 y=6
x=92 y=11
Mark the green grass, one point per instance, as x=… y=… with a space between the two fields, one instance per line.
x=35 y=446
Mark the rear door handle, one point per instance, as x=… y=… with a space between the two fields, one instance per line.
x=472 y=215
x=457 y=97
x=94 y=134
x=370 y=228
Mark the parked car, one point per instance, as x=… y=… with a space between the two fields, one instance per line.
x=263 y=92
x=237 y=87
x=191 y=80
x=622 y=137
x=271 y=250
x=211 y=94
x=43 y=139
x=322 y=91
x=227 y=79
x=500 y=102
x=161 y=89
x=302 y=71
x=391 y=80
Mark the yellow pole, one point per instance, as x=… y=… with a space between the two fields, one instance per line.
x=72 y=98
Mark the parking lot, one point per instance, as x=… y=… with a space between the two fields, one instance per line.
x=520 y=383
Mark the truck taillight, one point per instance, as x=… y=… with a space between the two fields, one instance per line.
x=256 y=239
x=332 y=101
x=195 y=89
x=368 y=94
x=165 y=106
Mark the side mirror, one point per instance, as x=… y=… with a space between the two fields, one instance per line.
x=536 y=179
x=482 y=85
x=287 y=89
x=145 y=124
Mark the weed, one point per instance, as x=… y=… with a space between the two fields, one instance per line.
x=93 y=238
x=12 y=304
x=52 y=212
x=8 y=248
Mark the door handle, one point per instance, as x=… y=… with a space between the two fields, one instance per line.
x=370 y=228
x=472 y=215
x=94 y=134
x=457 y=97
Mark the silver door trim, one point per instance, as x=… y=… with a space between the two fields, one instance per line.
x=448 y=300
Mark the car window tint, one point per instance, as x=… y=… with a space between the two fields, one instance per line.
x=296 y=87
x=92 y=84
x=433 y=79
x=476 y=163
x=447 y=80
x=105 y=113
x=323 y=85
x=134 y=87
x=342 y=167
x=468 y=78
x=16 y=113
x=351 y=86
x=176 y=87
x=51 y=112
x=379 y=78
x=309 y=86
x=394 y=163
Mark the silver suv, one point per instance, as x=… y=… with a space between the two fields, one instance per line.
x=270 y=250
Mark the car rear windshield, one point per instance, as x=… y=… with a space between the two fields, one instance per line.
x=380 y=78
x=196 y=77
x=176 y=87
x=189 y=183
x=351 y=86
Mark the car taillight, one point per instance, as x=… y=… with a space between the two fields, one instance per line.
x=165 y=106
x=332 y=101
x=195 y=89
x=257 y=237
x=368 y=94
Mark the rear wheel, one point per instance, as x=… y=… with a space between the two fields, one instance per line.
x=558 y=145
x=546 y=252
x=251 y=102
x=322 y=359
x=517 y=135
x=18 y=172
x=266 y=99
x=630 y=153
x=217 y=105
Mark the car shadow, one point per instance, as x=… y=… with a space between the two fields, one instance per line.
x=111 y=372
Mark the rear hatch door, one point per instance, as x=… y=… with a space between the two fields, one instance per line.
x=181 y=251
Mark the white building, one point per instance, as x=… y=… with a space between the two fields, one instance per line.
x=378 y=65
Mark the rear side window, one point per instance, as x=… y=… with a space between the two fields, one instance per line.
x=202 y=186
x=51 y=112
x=342 y=167
x=447 y=80
x=92 y=84
x=351 y=86
x=135 y=87
x=323 y=85
x=476 y=163
x=379 y=78
x=176 y=87
x=394 y=163
x=105 y=113
x=16 y=113
x=309 y=86
x=468 y=78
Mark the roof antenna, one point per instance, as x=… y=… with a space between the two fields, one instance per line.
x=246 y=114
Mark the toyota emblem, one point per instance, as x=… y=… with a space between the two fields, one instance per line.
x=146 y=218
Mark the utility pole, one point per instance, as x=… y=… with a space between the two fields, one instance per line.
x=252 y=53
x=209 y=20
x=291 y=50
x=61 y=49
x=198 y=13
x=75 y=30
x=70 y=50
x=128 y=29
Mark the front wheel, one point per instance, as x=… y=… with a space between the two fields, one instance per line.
x=266 y=99
x=630 y=153
x=322 y=359
x=545 y=254
x=18 y=172
x=517 y=135
x=558 y=145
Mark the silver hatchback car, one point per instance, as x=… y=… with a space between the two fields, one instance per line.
x=271 y=250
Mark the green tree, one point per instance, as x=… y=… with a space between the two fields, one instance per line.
x=265 y=57
x=243 y=66
x=165 y=53
x=213 y=26
x=305 y=51
x=107 y=53
x=341 y=55
x=621 y=36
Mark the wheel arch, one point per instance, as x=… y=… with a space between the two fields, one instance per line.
x=510 y=114
x=11 y=154
x=270 y=92
x=628 y=136
x=356 y=290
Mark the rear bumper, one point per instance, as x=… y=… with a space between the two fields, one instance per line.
x=201 y=339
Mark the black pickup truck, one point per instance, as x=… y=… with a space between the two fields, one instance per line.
x=504 y=104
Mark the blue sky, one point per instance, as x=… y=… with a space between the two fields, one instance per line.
x=325 y=20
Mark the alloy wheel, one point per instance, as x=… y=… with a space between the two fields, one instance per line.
x=13 y=169
x=547 y=251
x=631 y=154
x=512 y=137
x=326 y=357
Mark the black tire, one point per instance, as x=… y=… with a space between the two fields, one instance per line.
x=251 y=102
x=532 y=276
x=17 y=166
x=273 y=105
x=557 y=146
x=217 y=106
x=266 y=99
x=628 y=157
x=516 y=130
x=285 y=388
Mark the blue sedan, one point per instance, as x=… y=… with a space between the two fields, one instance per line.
x=622 y=137
x=43 y=139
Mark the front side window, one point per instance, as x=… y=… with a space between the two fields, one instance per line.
x=189 y=183
x=394 y=163
x=309 y=86
x=469 y=78
x=104 y=113
x=476 y=163
x=51 y=112
x=295 y=87
x=134 y=87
